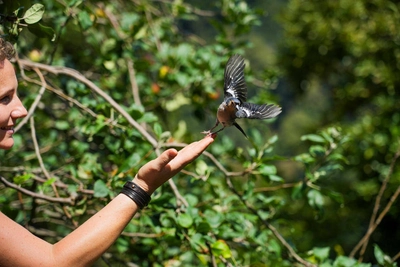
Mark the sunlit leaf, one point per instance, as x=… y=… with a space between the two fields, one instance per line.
x=22 y=178
x=321 y=253
x=220 y=248
x=315 y=199
x=34 y=14
x=100 y=189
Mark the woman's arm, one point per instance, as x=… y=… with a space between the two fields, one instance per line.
x=18 y=247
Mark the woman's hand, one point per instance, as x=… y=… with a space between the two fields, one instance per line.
x=170 y=162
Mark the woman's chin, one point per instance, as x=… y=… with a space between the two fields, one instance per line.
x=6 y=144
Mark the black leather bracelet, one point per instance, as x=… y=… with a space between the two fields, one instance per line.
x=136 y=193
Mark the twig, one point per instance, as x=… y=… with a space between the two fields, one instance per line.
x=227 y=263
x=129 y=62
x=44 y=170
x=396 y=257
x=154 y=32
x=213 y=261
x=64 y=186
x=32 y=108
x=145 y=235
x=370 y=230
x=36 y=195
x=134 y=85
x=274 y=188
x=375 y=222
x=114 y=21
x=39 y=157
x=178 y=195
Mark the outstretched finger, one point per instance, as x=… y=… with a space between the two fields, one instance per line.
x=191 y=152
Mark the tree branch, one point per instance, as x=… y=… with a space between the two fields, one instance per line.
x=24 y=191
x=373 y=221
x=32 y=108
x=79 y=77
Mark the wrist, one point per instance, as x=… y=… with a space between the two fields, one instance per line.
x=136 y=193
x=143 y=185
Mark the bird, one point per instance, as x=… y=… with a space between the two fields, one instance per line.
x=234 y=105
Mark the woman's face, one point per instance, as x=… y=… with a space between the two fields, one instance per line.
x=11 y=107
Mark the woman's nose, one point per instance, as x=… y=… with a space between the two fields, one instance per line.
x=19 y=111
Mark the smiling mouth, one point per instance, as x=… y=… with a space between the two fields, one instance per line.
x=7 y=128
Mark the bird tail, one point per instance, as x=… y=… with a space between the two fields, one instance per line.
x=240 y=129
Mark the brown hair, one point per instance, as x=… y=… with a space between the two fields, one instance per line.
x=7 y=50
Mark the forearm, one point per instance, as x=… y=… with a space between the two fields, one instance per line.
x=89 y=241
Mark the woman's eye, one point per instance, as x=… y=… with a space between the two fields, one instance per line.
x=5 y=99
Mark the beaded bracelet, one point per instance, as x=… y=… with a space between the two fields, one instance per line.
x=136 y=193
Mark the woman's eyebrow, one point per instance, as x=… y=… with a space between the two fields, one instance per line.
x=7 y=92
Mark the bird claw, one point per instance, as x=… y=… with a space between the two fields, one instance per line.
x=207 y=132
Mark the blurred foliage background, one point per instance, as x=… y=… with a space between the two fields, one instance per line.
x=110 y=84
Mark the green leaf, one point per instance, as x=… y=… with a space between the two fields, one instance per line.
x=267 y=169
x=42 y=31
x=62 y=125
x=305 y=158
x=34 y=14
x=157 y=129
x=185 y=220
x=317 y=151
x=379 y=255
x=22 y=178
x=198 y=242
x=129 y=162
x=313 y=138
x=274 y=246
x=202 y=167
x=382 y=258
x=276 y=178
x=122 y=245
x=273 y=139
x=321 y=253
x=100 y=189
x=297 y=191
x=213 y=218
x=343 y=261
x=220 y=248
x=180 y=99
x=50 y=181
x=84 y=20
x=315 y=199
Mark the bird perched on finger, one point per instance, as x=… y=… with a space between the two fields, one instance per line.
x=234 y=105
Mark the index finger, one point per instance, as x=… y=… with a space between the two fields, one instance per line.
x=191 y=152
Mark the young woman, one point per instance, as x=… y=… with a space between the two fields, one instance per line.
x=19 y=247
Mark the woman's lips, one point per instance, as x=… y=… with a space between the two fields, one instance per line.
x=9 y=129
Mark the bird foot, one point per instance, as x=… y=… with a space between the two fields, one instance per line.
x=207 y=132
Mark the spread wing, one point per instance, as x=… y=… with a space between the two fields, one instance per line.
x=254 y=111
x=235 y=85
